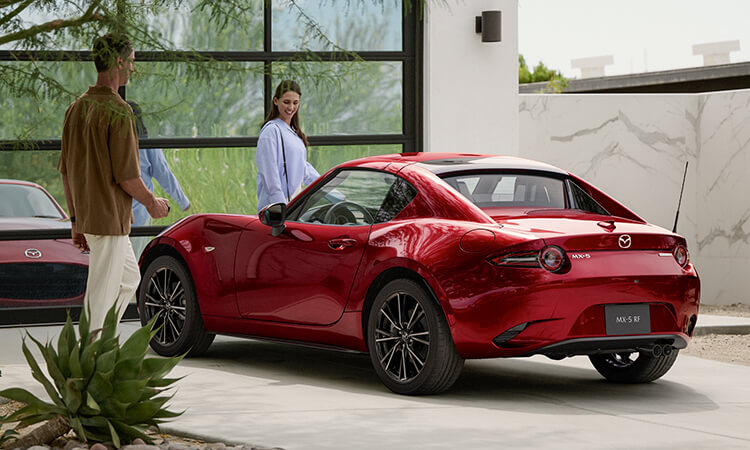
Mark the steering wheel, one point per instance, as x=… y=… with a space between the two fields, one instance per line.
x=346 y=213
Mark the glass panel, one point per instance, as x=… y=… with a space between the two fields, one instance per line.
x=499 y=190
x=215 y=100
x=584 y=202
x=190 y=28
x=39 y=167
x=347 y=98
x=30 y=110
x=326 y=158
x=352 y=197
x=222 y=180
x=330 y=25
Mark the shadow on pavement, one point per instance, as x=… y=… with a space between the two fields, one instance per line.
x=522 y=385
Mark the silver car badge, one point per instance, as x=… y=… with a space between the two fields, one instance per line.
x=624 y=241
x=33 y=253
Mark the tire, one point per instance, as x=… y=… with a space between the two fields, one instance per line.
x=635 y=367
x=412 y=354
x=167 y=291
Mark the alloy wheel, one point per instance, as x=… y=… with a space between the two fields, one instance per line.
x=165 y=298
x=402 y=337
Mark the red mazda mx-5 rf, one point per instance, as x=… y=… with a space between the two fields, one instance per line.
x=424 y=260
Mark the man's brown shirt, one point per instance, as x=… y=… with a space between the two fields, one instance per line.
x=100 y=150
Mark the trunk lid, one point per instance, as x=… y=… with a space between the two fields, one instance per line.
x=575 y=230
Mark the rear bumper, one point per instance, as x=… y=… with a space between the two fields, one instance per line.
x=610 y=344
x=566 y=316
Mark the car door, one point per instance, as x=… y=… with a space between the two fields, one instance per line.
x=304 y=274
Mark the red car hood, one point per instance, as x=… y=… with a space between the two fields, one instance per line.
x=31 y=223
x=576 y=231
x=52 y=250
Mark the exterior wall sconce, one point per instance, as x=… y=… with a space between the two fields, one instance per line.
x=490 y=25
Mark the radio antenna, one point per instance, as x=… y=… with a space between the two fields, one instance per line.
x=679 y=202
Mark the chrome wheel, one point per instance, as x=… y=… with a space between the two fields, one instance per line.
x=402 y=337
x=165 y=299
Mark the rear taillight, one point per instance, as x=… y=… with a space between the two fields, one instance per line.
x=681 y=255
x=552 y=258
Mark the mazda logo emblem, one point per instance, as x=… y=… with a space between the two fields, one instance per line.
x=624 y=241
x=33 y=253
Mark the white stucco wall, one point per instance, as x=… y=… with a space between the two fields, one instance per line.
x=470 y=86
x=634 y=146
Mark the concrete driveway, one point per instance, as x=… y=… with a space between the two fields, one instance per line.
x=278 y=395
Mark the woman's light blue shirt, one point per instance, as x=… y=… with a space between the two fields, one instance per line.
x=272 y=185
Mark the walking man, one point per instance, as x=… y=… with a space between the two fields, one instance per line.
x=101 y=176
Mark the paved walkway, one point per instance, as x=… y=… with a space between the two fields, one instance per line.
x=294 y=397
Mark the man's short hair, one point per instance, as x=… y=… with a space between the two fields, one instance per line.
x=108 y=47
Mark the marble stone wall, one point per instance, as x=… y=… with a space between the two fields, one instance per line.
x=635 y=146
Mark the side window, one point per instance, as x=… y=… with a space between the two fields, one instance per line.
x=353 y=198
x=583 y=201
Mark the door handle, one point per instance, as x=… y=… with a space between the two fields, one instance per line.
x=341 y=243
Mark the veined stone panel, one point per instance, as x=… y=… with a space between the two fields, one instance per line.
x=724 y=175
x=632 y=146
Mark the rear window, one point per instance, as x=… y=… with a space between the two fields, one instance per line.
x=492 y=190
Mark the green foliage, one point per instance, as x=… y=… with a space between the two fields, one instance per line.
x=556 y=81
x=7 y=434
x=108 y=392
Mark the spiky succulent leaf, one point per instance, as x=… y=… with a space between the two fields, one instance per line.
x=113 y=408
x=136 y=345
x=163 y=382
x=75 y=364
x=105 y=362
x=92 y=405
x=144 y=411
x=84 y=324
x=128 y=391
x=128 y=369
x=113 y=433
x=7 y=435
x=73 y=394
x=109 y=329
x=156 y=368
x=100 y=387
x=50 y=357
x=132 y=431
x=31 y=414
x=88 y=359
x=65 y=344
x=36 y=372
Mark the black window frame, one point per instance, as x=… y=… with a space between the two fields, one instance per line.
x=410 y=139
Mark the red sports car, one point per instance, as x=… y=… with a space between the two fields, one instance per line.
x=424 y=260
x=41 y=272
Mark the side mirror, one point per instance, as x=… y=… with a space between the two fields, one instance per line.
x=274 y=216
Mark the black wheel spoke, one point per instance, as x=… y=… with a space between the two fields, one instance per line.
x=402 y=337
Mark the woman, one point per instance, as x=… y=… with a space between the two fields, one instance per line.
x=281 y=156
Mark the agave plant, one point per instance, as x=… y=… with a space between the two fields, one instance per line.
x=104 y=391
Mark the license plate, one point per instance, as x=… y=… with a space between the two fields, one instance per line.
x=627 y=319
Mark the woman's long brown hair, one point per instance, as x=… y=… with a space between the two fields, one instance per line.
x=283 y=87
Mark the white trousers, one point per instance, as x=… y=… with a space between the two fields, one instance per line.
x=113 y=277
